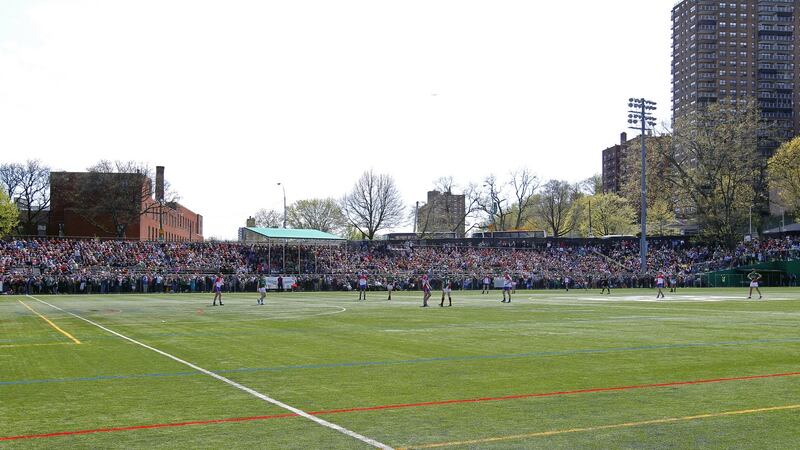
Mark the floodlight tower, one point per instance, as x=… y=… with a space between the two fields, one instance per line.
x=284 y=203
x=640 y=118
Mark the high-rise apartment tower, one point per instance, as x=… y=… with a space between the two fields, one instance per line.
x=726 y=52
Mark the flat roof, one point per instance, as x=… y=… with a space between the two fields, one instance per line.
x=291 y=233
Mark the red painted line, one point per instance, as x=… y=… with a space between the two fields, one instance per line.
x=401 y=406
x=552 y=394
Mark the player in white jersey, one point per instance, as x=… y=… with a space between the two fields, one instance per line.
x=262 y=290
x=389 y=287
x=218 y=283
x=754 y=278
x=486 y=282
x=508 y=284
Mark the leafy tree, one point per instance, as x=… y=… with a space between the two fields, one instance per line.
x=322 y=214
x=661 y=219
x=9 y=214
x=374 y=204
x=659 y=186
x=784 y=174
x=712 y=161
x=605 y=214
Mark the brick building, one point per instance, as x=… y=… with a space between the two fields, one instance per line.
x=613 y=158
x=444 y=213
x=137 y=217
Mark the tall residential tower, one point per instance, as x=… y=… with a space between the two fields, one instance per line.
x=727 y=52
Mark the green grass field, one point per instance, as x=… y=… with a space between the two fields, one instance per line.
x=704 y=368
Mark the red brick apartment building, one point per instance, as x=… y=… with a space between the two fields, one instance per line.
x=69 y=211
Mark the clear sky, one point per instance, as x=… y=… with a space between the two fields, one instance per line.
x=235 y=96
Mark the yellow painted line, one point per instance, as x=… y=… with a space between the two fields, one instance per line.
x=34 y=345
x=51 y=323
x=604 y=427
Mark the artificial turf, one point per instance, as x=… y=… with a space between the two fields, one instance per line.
x=536 y=373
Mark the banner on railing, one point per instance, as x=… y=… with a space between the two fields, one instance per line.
x=272 y=283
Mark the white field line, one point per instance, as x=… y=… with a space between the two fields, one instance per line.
x=250 y=391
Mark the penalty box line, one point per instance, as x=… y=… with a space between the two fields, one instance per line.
x=230 y=382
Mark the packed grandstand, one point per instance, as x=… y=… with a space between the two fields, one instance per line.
x=38 y=266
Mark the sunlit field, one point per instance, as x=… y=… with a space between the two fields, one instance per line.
x=552 y=369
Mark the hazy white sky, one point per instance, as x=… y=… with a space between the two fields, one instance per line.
x=235 y=96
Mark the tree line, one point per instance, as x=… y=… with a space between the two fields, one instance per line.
x=707 y=170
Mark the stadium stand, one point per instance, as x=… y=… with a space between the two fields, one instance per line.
x=106 y=266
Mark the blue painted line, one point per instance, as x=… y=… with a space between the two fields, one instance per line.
x=410 y=361
x=507 y=356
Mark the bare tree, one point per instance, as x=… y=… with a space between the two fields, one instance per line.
x=322 y=214
x=490 y=201
x=444 y=184
x=374 y=204
x=28 y=185
x=472 y=210
x=449 y=214
x=524 y=184
x=9 y=177
x=554 y=207
x=268 y=218
x=121 y=192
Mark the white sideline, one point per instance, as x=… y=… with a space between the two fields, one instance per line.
x=252 y=392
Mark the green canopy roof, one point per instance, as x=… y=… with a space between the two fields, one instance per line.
x=290 y=233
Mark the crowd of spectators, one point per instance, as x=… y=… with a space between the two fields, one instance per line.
x=92 y=266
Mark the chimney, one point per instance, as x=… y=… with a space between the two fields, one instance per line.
x=160 y=183
x=251 y=222
x=623 y=138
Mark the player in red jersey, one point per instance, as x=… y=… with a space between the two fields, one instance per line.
x=660 y=282
x=362 y=286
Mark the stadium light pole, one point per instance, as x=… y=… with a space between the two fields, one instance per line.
x=494 y=206
x=284 y=203
x=640 y=118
